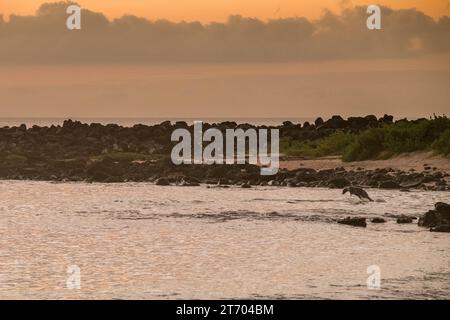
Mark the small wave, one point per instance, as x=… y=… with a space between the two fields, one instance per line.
x=128 y=215
x=312 y=201
x=295 y=200
x=281 y=296
x=329 y=216
x=226 y=216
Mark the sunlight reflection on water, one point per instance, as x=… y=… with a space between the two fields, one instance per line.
x=142 y=241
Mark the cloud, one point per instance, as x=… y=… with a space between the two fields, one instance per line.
x=43 y=38
x=343 y=4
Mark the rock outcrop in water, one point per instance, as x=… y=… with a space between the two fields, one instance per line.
x=404 y=220
x=437 y=220
x=356 y=222
x=112 y=153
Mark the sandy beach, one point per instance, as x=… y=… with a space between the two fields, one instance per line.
x=413 y=161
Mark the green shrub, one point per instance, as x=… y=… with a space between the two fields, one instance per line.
x=404 y=138
x=298 y=148
x=335 y=144
x=442 y=145
x=367 y=145
x=376 y=143
x=16 y=158
x=399 y=138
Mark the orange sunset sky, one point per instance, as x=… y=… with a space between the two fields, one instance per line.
x=327 y=64
x=219 y=10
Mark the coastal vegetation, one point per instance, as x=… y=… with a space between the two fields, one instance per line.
x=377 y=142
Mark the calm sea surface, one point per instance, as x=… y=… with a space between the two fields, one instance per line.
x=129 y=122
x=140 y=241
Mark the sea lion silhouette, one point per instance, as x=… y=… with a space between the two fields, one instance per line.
x=359 y=192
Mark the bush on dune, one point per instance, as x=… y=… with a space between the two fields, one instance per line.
x=378 y=143
x=442 y=145
x=335 y=144
x=397 y=138
x=367 y=145
x=297 y=148
x=332 y=145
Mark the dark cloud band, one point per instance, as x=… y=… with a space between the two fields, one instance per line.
x=43 y=38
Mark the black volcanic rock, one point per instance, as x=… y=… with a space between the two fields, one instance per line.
x=441 y=228
x=336 y=122
x=162 y=182
x=386 y=119
x=436 y=218
x=246 y=185
x=94 y=152
x=357 y=122
x=356 y=222
x=443 y=208
x=318 y=122
x=372 y=121
x=404 y=220
x=338 y=183
x=389 y=184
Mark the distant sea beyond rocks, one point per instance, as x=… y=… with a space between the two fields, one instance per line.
x=112 y=153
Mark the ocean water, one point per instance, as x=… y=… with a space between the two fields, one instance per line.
x=129 y=122
x=140 y=241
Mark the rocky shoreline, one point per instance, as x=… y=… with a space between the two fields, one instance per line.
x=112 y=153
